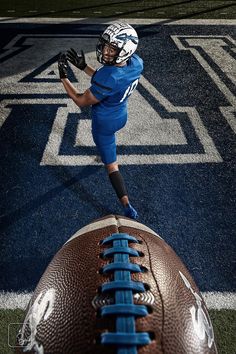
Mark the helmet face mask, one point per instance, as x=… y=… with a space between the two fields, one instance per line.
x=100 y=52
x=119 y=36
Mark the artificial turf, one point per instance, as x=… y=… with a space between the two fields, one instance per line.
x=224 y=324
x=197 y=9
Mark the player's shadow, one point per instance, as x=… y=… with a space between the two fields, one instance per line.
x=67 y=182
x=66 y=176
x=31 y=206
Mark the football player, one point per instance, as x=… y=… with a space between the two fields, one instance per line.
x=111 y=86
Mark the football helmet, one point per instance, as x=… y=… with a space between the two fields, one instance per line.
x=119 y=36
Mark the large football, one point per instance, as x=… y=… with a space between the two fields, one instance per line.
x=116 y=287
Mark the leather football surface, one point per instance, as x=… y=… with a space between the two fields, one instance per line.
x=116 y=287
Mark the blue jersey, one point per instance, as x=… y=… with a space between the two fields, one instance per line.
x=112 y=85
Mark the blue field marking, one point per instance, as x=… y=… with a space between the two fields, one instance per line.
x=54 y=77
x=191 y=204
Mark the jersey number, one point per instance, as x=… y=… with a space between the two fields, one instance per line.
x=129 y=90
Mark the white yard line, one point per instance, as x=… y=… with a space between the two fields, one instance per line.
x=137 y=21
x=214 y=300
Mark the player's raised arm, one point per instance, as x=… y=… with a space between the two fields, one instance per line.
x=80 y=99
x=79 y=61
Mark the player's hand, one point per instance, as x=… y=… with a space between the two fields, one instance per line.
x=75 y=59
x=62 y=66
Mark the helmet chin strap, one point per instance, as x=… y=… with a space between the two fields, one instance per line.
x=112 y=62
x=123 y=63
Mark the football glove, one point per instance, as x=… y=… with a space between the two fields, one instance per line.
x=62 y=66
x=75 y=59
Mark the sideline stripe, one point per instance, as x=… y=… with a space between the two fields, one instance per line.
x=214 y=300
x=13 y=301
x=134 y=21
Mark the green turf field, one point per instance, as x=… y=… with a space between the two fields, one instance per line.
x=224 y=323
x=210 y=9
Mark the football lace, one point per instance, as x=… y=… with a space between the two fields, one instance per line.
x=122 y=288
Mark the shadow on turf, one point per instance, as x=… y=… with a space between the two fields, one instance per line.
x=77 y=9
x=67 y=182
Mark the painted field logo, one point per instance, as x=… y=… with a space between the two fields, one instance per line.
x=201 y=323
x=158 y=131
x=38 y=312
